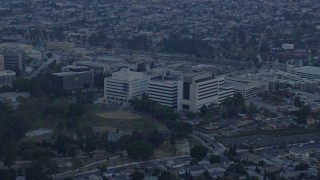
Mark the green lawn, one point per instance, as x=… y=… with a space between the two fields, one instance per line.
x=125 y=124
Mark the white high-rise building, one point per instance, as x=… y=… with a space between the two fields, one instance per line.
x=197 y=90
x=163 y=91
x=124 y=86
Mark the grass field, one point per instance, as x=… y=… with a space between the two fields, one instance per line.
x=105 y=119
x=119 y=114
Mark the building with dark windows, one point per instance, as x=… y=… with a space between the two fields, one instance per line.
x=70 y=80
x=15 y=60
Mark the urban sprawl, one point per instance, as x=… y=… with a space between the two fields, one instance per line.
x=159 y=89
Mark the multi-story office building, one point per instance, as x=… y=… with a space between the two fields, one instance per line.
x=163 y=91
x=14 y=59
x=197 y=90
x=123 y=86
x=70 y=80
x=308 y=72
x=7 y=77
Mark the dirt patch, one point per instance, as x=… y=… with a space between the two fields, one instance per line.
x=119 y=115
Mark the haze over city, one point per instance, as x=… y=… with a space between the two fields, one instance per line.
x=159 y=89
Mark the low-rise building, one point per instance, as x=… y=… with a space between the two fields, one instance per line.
x=308 y=72
x=60 y=46
x=97 y=67
x=7 y=78
x=248 y=88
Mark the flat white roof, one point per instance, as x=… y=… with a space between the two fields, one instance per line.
x=308 y=70
x=7 y=72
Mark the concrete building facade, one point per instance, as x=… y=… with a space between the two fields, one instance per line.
x=7 y=77
x=248 y=88
x=14 y=59
x=164 y=92
x=123 y=86
x=1 y=62
x=197 y=90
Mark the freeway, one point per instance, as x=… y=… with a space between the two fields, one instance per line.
x=55 y=57
x=288 y=145
x=210 y=142
x=114 y=169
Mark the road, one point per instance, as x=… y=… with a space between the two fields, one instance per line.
x=272 y=147
x=113 y=169
x=210 y=142
x=55 y=57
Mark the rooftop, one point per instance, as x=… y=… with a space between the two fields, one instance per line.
x=68 y=73
x=308 y=69
x=7 y=72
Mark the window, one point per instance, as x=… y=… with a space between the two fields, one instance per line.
x=186 y=90
x=185 y=107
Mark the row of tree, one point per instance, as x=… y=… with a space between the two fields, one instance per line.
x=163 y=113
x=228 y=108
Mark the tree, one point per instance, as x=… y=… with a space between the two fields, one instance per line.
x=140 y=150
x=297 y=102
x=233 y=150
x=261 y=163
x=302 y=167
x=214 y=159
x=198 y=152
x=72 y=149
x=136 y=136
x=138 y=43
x=252 y=109
x=137 y=175
x=75 y=110
x=49 y=55
x=206 y=175
x=152 y=65
x=155 y=138
x=302 y=114
x=5 y=88
x=41 y=169
x=238 y=169
x=257 y=170
x=165 y=175
x=183 y=129
x=173 y=138
x=21 y=84
x=10 y=153
x=5 y=174
x=94 y=40
x=203 y=110
x=141 y=67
